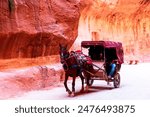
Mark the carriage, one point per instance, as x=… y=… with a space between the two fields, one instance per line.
x=101 y=52
x=92 y=63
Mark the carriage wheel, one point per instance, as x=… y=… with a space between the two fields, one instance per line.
x=117 y=80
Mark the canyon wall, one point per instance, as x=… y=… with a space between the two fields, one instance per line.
x=34 y=28
x=127 y=21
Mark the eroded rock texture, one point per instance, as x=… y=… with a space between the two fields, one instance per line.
x=127 y=21
x=33 y=28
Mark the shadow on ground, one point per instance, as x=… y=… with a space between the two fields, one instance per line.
x=93 y=89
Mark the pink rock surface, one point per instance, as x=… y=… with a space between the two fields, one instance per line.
x=33 y=28
x=18 y=81
x=127 y=21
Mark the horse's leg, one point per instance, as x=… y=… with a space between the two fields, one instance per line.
x=82 y=81
x=73 y=85
x=87 y=86
x=88 y=76
x=87 y=81
x=65 y=84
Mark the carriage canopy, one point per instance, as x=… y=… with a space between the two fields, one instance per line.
x=110 y=48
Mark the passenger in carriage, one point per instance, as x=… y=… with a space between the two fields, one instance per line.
x=111 y=67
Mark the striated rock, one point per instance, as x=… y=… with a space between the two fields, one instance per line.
x=33 y=28
x=127 y=21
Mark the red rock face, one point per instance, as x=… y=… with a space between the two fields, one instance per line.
x=33 y=28
x=127 y=21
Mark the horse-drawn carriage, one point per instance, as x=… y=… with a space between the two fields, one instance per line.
x=102 y=54
x=92 y=63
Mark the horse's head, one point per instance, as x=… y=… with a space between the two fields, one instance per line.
x=64 y=54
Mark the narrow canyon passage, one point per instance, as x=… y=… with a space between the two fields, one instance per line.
x=31 y=31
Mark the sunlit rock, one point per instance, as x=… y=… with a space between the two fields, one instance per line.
x=127 y=21
x=34 y=28
x=31 y=29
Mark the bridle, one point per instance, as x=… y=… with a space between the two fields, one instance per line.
x=64 y=54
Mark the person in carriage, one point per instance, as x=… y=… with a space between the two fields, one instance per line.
x=111 y=67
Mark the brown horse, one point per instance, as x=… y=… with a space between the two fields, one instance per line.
x=72 y=68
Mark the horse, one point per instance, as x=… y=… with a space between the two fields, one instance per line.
x=72 y=68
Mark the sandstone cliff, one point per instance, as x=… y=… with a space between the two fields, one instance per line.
x=34 y=28
x=127 y=21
